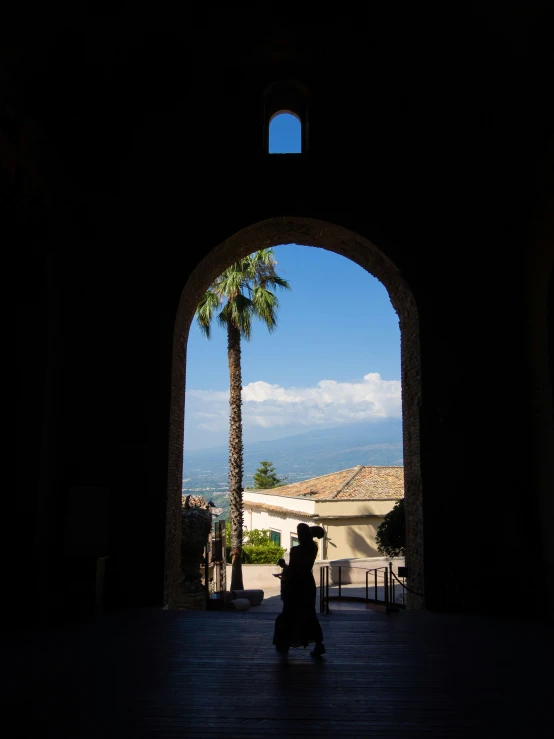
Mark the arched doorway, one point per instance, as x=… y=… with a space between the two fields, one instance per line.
x=316 y=233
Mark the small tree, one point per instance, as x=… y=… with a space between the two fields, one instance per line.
x=391 y=534
x=265 y=476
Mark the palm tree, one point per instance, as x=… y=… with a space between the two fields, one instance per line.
x=241 y=293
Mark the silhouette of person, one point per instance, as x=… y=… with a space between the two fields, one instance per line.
x=282 y=575
x=297 y=625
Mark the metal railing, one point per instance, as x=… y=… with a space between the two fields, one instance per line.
x=324 y=589
x=389 y=596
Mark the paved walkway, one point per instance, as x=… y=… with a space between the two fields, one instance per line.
x=272 y=602
x=149 y=674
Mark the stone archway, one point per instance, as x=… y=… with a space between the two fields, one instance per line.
x=316 y=233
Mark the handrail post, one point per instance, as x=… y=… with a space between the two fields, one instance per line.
x=367 y=586
x=340 y=581
x=386 y=574
x=324 y=589
x=375 y=578
x=321 y=589
x=207 y=570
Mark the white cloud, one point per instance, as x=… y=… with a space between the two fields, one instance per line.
x=268 y=406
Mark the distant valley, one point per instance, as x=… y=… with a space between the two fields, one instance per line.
x=299 y=457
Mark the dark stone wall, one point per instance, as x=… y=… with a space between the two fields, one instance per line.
x=131 y=149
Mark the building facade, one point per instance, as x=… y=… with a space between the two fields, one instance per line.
x=349 y=505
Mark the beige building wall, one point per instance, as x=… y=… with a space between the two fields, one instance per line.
x=284 y=523
x=294 y=504
x=350 y=538
x=350 y=525
x=280 y=522
x=329 y=508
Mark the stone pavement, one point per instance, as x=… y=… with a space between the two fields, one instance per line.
x=272 y=602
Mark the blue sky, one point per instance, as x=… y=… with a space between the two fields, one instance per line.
x=334 y=357
x=335 y=325
x=285 y=135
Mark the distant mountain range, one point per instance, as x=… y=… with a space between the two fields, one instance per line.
x=296 y=458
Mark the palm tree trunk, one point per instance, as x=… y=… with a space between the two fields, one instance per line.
x=235 y=454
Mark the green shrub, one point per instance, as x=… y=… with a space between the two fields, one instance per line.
x=262 y=555
x=257 y=547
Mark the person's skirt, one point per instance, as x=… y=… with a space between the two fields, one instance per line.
x=297 y=625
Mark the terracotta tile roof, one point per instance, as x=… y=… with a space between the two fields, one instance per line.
x=355 y=483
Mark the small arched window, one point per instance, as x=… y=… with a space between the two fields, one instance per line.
x=285 y=133
x=285 y=118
